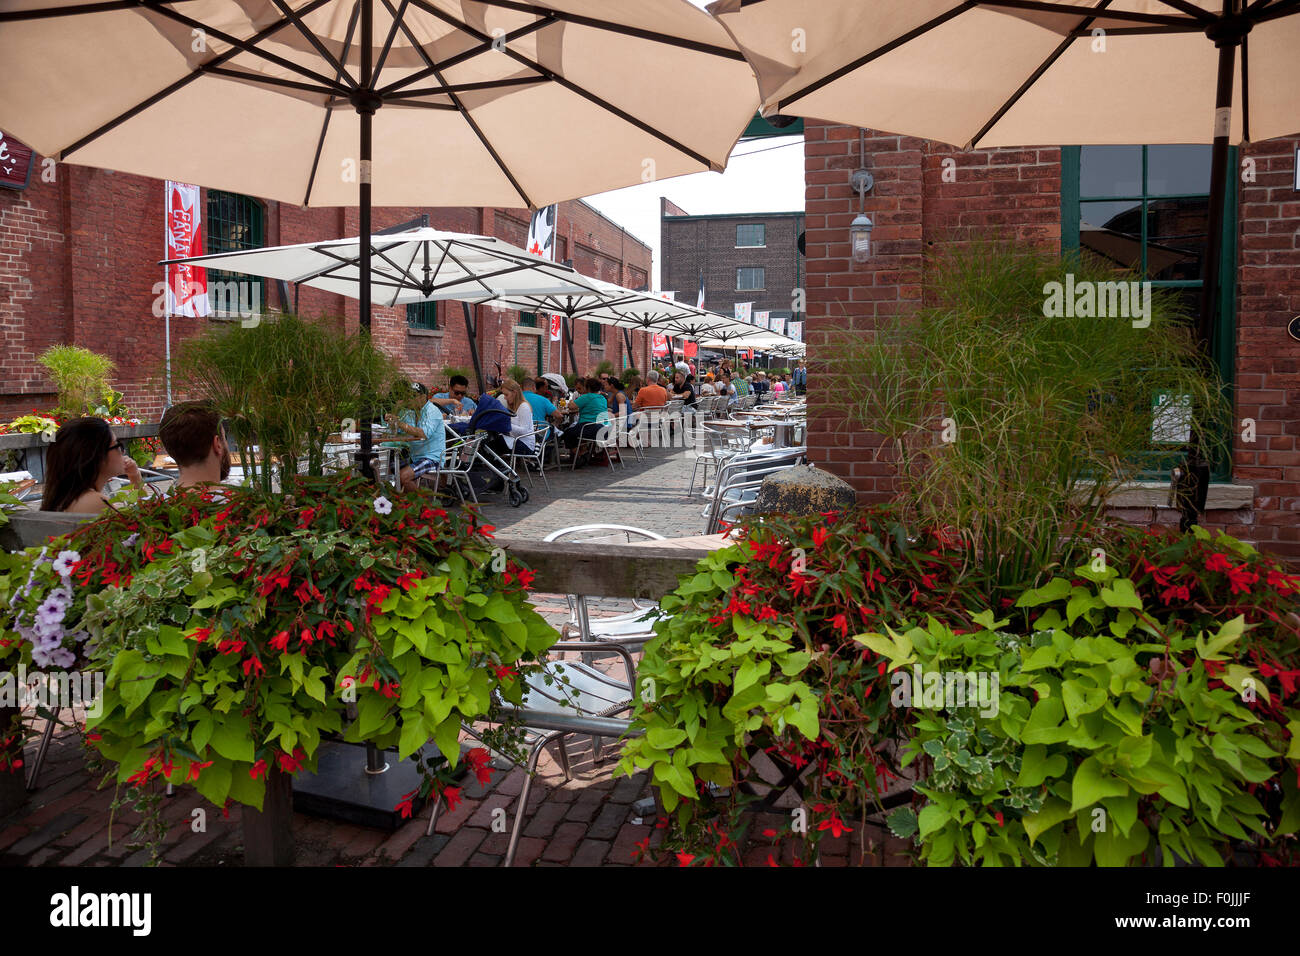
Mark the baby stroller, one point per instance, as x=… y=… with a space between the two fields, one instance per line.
x=493 y=418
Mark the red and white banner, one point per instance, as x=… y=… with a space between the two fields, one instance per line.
x=690 y=349
x=541 y=233
x=187 y=285
x=556 y=325
x=661 y=345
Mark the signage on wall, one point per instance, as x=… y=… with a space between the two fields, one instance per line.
x=15 y=163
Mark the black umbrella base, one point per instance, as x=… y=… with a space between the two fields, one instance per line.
x=341 y=789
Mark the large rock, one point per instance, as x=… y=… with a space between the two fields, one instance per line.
x=804 y=490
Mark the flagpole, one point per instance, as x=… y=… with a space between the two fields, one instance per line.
x=167 y=295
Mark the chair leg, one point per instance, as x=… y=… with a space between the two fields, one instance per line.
x=522 y=808
x=564 y=759
x=433 y=816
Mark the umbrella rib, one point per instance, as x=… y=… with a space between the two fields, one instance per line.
x=438 y=74
x=580 y=91
x=388 y=43
x=639 y=32
x=1280 y=9
x=315 y=41
x=1191 y=9
x=268 y=80
x=1033 y=78
x=467 y=87
x=459 y=58
x=173 y=87
x=878 y=52
x=325 y=123
x=403 y=102
x=17 y=16
x=1044 y=6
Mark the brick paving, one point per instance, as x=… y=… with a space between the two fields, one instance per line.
x=587 y=821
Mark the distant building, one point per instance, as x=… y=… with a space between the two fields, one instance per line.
x=743 y=257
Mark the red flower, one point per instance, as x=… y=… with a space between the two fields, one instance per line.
x=1179 y=591
x=1241 y=579
x=406 y=580
x=504 y=672
x=254 y=665
x=769 y=833
x=308 y=516
x=325 y=629
x=684 y=859
x=834 y=824
x=280 y=642
x=195 y=768
x=201 y=634
x=452 y=796
x=404 y=807
x=230 y=645
x=998 y=816
x=1217 y=562
x=258 y=770
x=641 y=847
x=842 y=623
x=801 y=584
x=1283 y=583
x=819 y=537
x=526 y=578
x=292 y=764
x=478 y=761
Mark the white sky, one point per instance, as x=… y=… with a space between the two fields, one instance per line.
x=769 y=181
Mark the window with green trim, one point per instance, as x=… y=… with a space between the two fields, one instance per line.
x=751 y=279
x=422 y=315
x=528 y=319
x=235 y=223
x=749 y=235
x=1146 y=209
x=595 y=333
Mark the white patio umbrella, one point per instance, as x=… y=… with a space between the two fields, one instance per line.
x=978 y=73
x=395 y=102
x=418 y=265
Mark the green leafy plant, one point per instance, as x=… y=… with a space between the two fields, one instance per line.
x=451 y=371
x=235 y=629
x=518 y=373
x=283 y=387
x=1116 y=740
x=82 y=379
x=1014 y=425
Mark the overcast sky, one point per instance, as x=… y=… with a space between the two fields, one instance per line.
x=758 y=178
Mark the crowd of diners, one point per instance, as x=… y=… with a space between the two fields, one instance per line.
x=85 y=454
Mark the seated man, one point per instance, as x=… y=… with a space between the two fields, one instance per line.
x=456 y=396
x=420 y=421
x=682 y=389
x=652 y=394
x=192 y=434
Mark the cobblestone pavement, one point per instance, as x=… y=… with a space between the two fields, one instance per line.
x=587 y=821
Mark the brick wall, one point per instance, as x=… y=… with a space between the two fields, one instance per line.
x=927 y=195
x=78 y=265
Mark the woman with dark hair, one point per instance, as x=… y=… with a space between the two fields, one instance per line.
x=82 y=458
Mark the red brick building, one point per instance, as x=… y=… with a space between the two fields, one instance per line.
x=927 y=195
x=78 y=266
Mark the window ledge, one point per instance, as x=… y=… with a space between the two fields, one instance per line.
x=428 y=333
x=1155 y=494
x=528 y=330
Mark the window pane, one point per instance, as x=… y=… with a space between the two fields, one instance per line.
x=750 y=279
x=235 y=223
x=1110 y=170
x=528 y=319
x=594 y=333
x=1113 y=231
x=422 y=315
x=750 y=234
x=1176 y=230
x=1178 y=170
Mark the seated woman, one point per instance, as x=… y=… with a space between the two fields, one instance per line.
x=83 y=457
x=521 y=416
x=619 y=406
x=590 y=404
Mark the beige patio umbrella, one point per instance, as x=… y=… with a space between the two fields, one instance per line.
x=978 y=73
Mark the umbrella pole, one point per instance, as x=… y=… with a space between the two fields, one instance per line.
x=568 y=327
x=1192 y=483
x=471 y=333
x=365 y=101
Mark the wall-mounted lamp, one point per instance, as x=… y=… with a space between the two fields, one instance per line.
x=861 y=182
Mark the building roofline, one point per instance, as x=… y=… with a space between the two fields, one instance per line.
x=629 y=233
x=739 y=215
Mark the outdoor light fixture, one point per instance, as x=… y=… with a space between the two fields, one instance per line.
x=861 y=182
x=860 y=236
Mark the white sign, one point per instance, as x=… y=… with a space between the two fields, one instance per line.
x=761 y=320
x=744 y=311
x=1171 y=419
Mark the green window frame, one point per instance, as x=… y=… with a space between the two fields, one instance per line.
x=595 y=333
x=235 y=222
x=422 y=315
x=1224 y=337
x=751 y=235
x=751 y=279
x=528 y=319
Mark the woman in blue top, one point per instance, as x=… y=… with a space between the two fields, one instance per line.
x=590 y=406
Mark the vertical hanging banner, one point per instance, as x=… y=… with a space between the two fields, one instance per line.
x=778 y=325
x=660 y=345
x=541 y=233
x=761 y=319
x=699 y=298
x=744 y=312
x=795 y=331
x=187 y=285
x=557 y=322
x=690 y=349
